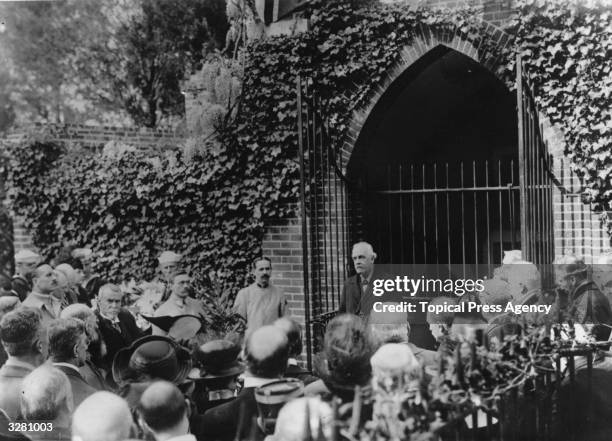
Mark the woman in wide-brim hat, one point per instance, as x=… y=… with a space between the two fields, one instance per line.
x=150 y=358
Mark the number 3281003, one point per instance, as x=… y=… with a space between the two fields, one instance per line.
x=30 y=427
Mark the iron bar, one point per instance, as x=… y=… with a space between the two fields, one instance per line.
x=448 y=232
x=462 y=222
x=306 y=276
x=424 y=218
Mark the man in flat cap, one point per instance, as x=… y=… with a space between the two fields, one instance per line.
x=25 y=264
x=169 y=265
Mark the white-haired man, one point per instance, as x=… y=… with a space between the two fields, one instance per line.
x=46 y=397
x=96 y=349
x=357 y=297
x=103 y=416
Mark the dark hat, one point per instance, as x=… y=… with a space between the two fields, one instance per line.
x=217 y=359
x=572 y=269
x=179 y=327
x=271 y=397
x=155 y=356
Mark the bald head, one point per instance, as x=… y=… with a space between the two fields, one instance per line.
x=294 y=333
x=162 y=406
x=267 y=351
x=87 y=424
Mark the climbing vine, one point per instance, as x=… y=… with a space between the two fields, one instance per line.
x=212 y=204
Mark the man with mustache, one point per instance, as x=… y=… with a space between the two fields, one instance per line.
x=44 y=283
x=260 y=303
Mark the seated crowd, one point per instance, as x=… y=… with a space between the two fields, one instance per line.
x=80 y=364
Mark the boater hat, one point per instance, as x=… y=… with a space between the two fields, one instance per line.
x=217 y=359
x=154 y=356
x=180 y=327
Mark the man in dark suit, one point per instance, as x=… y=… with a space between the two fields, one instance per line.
x=68 y=350
x=25 y=341
x=117 y=326
x=266 y=351
x=357 y=297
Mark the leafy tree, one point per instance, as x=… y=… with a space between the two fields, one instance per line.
x=102 y=61
x=165 y=42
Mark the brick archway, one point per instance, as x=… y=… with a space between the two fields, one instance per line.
x=487 y=51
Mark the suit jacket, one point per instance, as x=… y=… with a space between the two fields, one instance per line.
x=80 y=388
x=355 y=301
x=589 y=305
x=115 y=339
x=10 y=389
x=221 y=422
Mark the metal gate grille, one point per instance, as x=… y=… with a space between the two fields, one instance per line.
x=463 y=213
x=324 y=212
x=537 y=180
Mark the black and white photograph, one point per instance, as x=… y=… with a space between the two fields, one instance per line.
x=305 y=220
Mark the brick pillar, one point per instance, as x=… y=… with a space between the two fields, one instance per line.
x=282 y=243
x=577 y=227
x=21 y=237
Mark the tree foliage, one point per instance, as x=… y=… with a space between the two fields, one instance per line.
x=212 y=206
x=90 y=61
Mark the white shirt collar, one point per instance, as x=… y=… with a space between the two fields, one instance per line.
x=186 y=437
x=68 y=365
x=12 y=361
x=292 y=362
x=115 y=320
x=251 y=381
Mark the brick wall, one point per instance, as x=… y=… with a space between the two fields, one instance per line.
x=97 y=136
x=577 y=227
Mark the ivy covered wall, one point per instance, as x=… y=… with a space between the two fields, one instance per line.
x=212 y=205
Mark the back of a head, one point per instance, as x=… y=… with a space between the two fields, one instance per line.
x=64 y=335
x=162 y=406
x=19 y=331
x=78 y=311
x=103 y=416
x=389 y=327
x=44 y=393
x=267 y=352
x=348 y=347
x=443 y=316
x=294 y=334
x=291 y=423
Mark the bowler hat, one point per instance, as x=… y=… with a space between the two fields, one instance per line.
x=217 y=359
x=180 y=327
x=154 y=356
